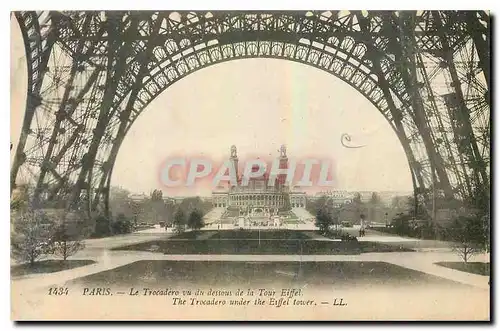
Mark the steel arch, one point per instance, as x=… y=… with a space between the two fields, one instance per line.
x=114 y=63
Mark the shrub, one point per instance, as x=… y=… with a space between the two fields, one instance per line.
x=122 y=225
x=468 y=235
x=102 y=227
x=68 y=235
x=31 y=235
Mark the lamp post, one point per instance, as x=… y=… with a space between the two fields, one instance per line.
x=259 y=235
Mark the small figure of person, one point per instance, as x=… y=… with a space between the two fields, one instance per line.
x=362 y=225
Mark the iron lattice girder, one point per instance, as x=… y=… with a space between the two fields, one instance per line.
x=37 y=50
x=291 y=32
x=408 y=68
x=88 y=37
x=396 y=114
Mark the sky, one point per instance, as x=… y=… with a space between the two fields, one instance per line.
x=256 y=105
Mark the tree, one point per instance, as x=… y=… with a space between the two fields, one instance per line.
x=417 y=209
x=121 y=225
x=323 y=221
x=375 y=202
x=195 y=220
x=120 y=201
x=158 y=207
x=398 y=203
x=31 y=235
x=335 y=212
x=192 y=203
x=375 y=199
x=480 y=202
x=157 y=195
x=401 y=224
x=313 y=206
x=357 y=199
x=68 y=235
x=468 y=236
x=355 y=207
x=179 y=220
x=102 y=227
x=20 y=198
x=155 y=209
x=136 y=209
x=356 y=203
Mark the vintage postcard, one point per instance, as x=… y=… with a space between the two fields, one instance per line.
x=250 y=165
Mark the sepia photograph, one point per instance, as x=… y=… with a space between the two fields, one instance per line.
x=250 y=165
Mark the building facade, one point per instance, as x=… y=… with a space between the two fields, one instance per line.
x=258 y=197
x=336 y=198
x=298 y=199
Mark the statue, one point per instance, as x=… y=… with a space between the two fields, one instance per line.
x=233 y=151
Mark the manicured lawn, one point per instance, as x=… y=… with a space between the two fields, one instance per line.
x=479 y=268
x=293 y=221
x=263 y=234
x=191 y=234
x=167 y=274
x=286 y=242
x=47 y=266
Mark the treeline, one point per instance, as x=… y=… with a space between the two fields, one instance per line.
x=374 y=209
x=137 y=214
x=125 y=213
x=153 y=209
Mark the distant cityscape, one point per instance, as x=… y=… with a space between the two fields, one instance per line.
x=340 y=195
x=269 y=201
